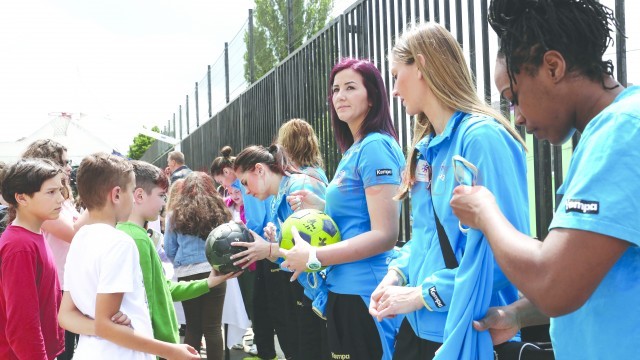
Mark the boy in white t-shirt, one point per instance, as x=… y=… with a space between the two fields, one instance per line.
x=102 y=273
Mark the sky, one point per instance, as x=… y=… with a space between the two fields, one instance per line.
x=125 y=64
x=122 y=63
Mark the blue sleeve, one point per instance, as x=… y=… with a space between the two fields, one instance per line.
x=170 y=240
x=502 y=169
x=255 y=212
x=602 y=185
x=381 y=162
x=308 y=183
x=401 y=263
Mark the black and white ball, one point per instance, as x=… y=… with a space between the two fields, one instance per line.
x=218 y=246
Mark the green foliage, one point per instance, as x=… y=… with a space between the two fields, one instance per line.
x=270 y=35
x=140 y=144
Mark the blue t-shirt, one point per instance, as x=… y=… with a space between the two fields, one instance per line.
x=375 y=160
x=600 y=194
x=255 y=210
x=478 y=282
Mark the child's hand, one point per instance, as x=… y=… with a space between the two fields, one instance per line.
x=121 y=318
x=184 y=351
x=215 y=278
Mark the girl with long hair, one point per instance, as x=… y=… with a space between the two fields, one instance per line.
x=445 y=276
x=194 y=210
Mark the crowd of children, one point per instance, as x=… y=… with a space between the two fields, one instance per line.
x=469 y=266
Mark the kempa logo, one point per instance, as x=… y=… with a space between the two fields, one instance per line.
x=582 y=206
x=340 y=356
x=380 y=172
x=436 y=298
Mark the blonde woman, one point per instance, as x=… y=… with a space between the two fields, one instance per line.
x=441 y=295
x=299 y=139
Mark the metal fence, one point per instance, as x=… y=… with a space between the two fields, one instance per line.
x=298 y=88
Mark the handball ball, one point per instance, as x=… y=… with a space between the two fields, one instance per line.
x=218 y=246
x=314 y=226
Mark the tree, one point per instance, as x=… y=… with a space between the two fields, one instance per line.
x=270 y=31
x=140 y=144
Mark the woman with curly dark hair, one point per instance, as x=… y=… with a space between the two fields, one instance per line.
x=584 y=275
x=196 y=209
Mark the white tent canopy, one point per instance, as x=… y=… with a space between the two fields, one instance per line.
x=66 y=129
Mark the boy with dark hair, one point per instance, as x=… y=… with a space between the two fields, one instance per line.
x=29 y=289
x=148 y=199
x=102 y=273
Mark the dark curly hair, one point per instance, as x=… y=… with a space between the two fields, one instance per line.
x=197 y=209
x=578 y=29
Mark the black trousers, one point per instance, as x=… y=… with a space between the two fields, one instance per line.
x=203 y=316
x=271 y=293
x=351 y=330
x=310 y=329
x=70 y=341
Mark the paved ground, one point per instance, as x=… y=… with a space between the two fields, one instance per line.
x=239 y=354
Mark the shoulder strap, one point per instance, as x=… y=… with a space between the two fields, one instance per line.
x=450 y=260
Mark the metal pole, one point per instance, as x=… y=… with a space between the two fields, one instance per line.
x=197 y=107
x=226 y=69
x=250 y=50
x=186 y=112
x=180 y=121
x=174 y=125
x=209 y=89
x=621 y=44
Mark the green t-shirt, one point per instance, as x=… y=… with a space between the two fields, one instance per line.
x=161 y=292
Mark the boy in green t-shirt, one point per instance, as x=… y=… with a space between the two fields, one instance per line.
x=149 y=197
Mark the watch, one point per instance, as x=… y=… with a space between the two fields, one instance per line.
x=313 y=263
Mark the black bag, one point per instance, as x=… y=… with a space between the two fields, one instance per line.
x=516 y=350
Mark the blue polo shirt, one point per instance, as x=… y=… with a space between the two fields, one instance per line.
x=375 y=160
x=600 y=194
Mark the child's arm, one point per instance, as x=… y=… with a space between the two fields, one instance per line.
x=22 y=330
x=62 y=228
x=187 y=290
x=107 y=305
x=70 y=318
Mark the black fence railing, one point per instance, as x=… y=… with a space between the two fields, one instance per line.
x=297 y=88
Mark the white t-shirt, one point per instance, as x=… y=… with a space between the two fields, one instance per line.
x=59 y=247
x=105 y=260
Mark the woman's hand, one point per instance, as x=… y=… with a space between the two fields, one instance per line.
x=470 y=203
x=296 y=257
x=257 y=250
x=502 y=323
x=270 y=232
x=396 y=300
x=391 y=279
x=305 y=199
